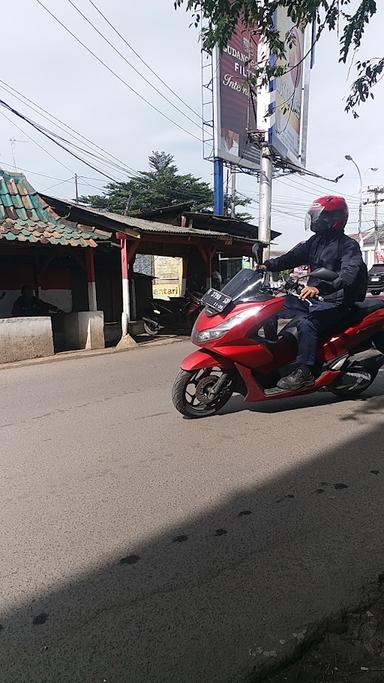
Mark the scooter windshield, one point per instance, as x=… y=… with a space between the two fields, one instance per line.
x=246 y=285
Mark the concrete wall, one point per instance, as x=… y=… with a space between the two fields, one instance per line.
x=84 y=330
x=62 y=298
x=24 y=338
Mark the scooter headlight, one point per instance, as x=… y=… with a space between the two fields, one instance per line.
x=213 y=333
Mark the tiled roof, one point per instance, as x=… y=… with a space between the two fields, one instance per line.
x=26 y=217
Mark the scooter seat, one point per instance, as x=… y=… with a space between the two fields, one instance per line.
x=361 y=310
x=370 y=305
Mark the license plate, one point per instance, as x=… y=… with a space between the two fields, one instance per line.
x=375 y=279
x=216 y=300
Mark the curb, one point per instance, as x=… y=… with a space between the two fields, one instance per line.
x=81 y=355
x=269 y=664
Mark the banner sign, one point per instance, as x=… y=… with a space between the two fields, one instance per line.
x=288 y=131
x=234 y=110
x=168 y=272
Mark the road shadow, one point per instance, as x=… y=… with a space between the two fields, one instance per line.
x=320 y=398
x=223 y=592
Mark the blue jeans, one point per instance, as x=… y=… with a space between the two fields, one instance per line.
x=315 y=321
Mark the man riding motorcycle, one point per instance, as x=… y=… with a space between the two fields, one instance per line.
x=329 y=248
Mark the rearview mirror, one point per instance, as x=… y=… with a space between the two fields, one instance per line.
x=324 y=274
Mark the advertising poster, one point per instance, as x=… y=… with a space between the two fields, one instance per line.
x=289 y=93
x=234 y=111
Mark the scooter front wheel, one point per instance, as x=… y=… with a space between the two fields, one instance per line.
x=194 y=395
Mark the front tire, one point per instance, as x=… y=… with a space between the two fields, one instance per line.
x=190 y=392
x=360 y=386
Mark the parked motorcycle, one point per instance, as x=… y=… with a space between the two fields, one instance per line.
x=242 y=351
x=177 y=314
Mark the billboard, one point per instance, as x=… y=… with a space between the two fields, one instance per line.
x=234 y=111
x=288 y=132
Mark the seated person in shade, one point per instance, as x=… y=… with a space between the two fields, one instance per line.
x=28 y=305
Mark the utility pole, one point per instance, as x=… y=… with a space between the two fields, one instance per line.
x=349 y=158
x=265 y=197
x=376 y=192
x=13 y=142
x=76 y=187
x=233 y=192
x=218 y=177
x=128 y=204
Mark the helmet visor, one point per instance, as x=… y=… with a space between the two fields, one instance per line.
x=315 y=219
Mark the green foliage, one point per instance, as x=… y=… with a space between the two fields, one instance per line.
x=161 y=186
x=221 y=16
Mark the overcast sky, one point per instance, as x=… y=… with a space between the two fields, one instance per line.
x=46 y=64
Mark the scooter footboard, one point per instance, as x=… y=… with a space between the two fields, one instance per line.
x=203 y=359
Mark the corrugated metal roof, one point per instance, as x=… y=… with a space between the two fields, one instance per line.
x=147 y=226
x=26 y=217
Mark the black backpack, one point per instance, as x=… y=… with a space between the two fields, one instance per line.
x=361 y=283
x=360 y=286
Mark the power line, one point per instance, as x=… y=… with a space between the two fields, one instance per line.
x=142 y=60
x=35 y=142
x=52 y=139
x=57 y=184
x=77 y=9
x=114 y=73
x=28 y=170
x=75 y=134
x=101 y=159
x=308 y=184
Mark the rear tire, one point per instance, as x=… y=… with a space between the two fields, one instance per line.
x=359 y=389
x=188 y=386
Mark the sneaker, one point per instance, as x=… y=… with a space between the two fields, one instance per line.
x=298 y=379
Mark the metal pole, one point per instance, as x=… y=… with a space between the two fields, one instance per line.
x=360 y=232
x=360 y=205
x=376 y=191
x=218 y=187
x=265 y=198
x=76 y=188
x=233 y=193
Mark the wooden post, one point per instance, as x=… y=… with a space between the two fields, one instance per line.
x=91 y=278
x=185 y=275
x=207 y=254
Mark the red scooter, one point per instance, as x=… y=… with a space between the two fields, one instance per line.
x=243 y=350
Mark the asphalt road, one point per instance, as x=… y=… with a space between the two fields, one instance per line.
x=140 y=547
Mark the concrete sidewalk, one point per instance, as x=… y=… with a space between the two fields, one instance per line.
x=83 y=354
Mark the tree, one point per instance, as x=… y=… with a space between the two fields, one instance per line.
x=221 y=17
x=161 y=186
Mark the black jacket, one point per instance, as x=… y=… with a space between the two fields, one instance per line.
x=335 y=251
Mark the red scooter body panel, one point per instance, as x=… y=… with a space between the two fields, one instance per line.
x=240 y=348
x=354 y=336
x=204 y=359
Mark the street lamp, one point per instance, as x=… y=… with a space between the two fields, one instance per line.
x=349 y=158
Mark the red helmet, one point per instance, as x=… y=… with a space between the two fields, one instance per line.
x=327 y=213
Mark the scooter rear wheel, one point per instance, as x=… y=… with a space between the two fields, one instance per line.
x=353 y=391
x=190 y=393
